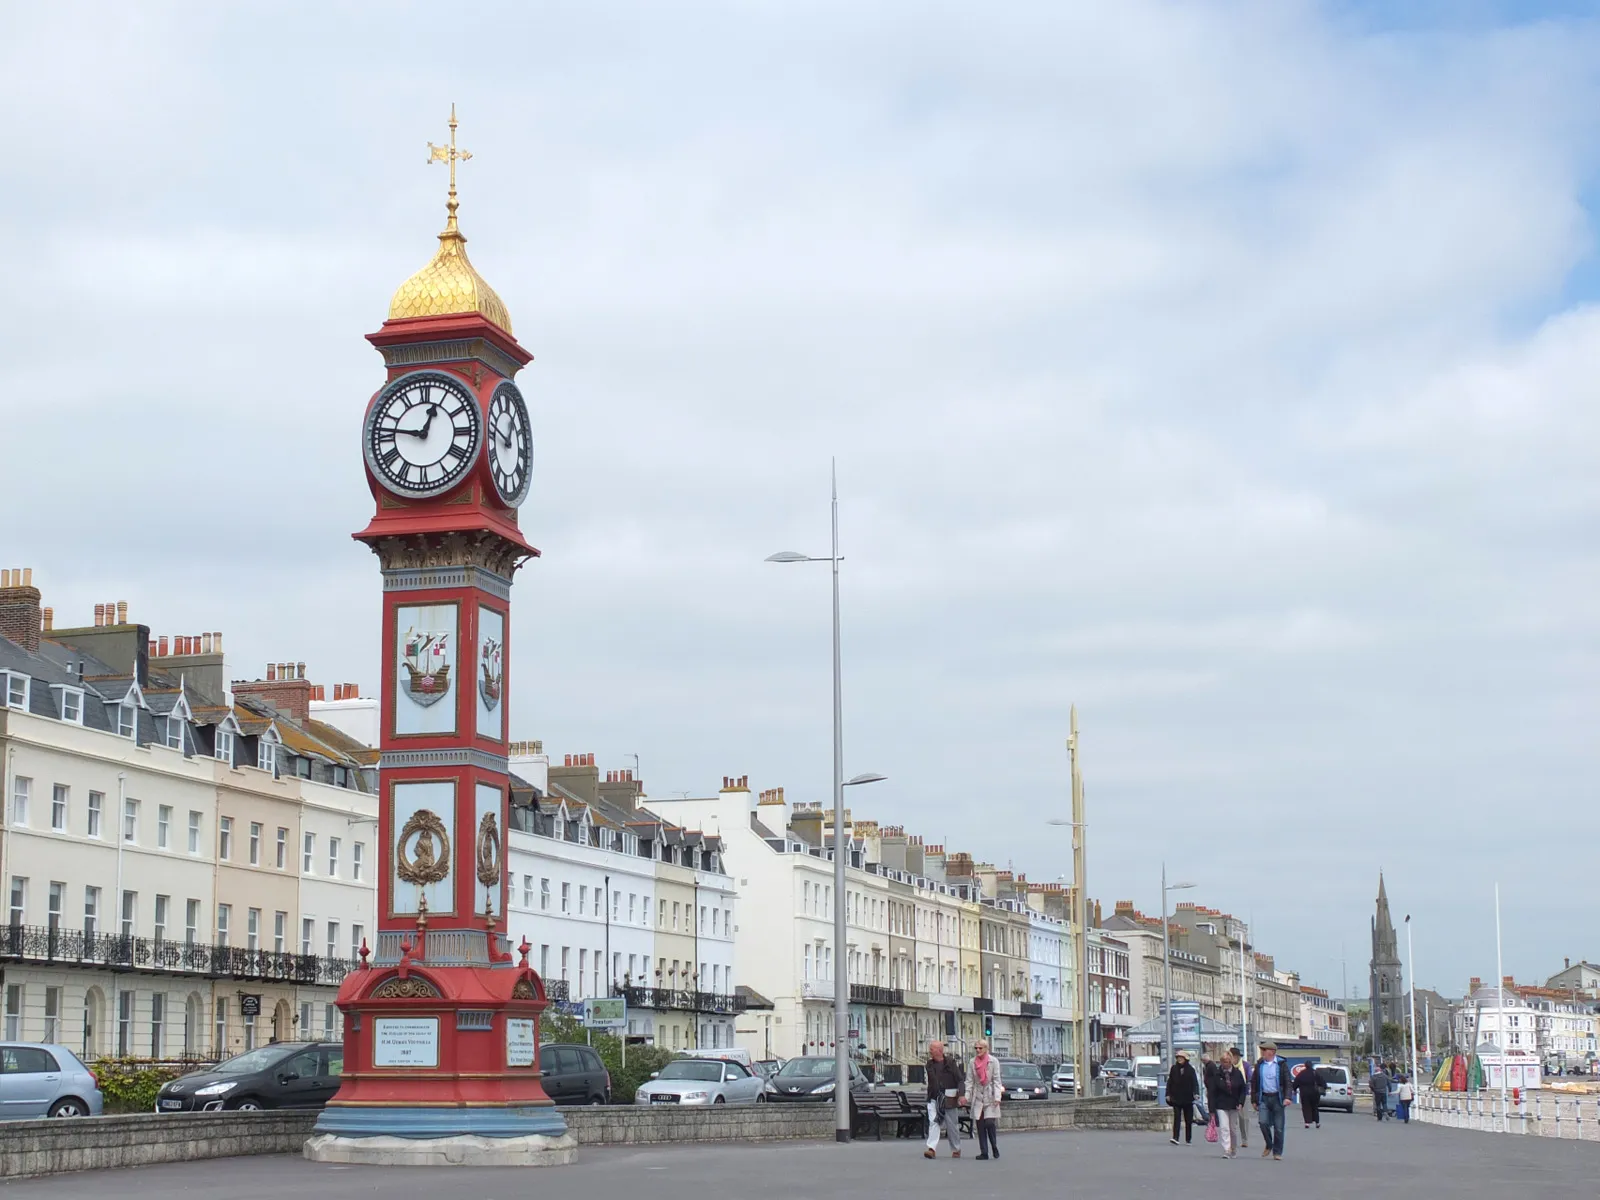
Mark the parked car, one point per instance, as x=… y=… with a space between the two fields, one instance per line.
x=574 y=1075
x=1065 y=1079
x=702 y=1081
x=1339 y=1092
x=1023 y=1080
x=45 y=1080
x=1116 y=1072
x=767 y=1067
x=1146 y=1080
x=282 y=1075
x=809 y=1079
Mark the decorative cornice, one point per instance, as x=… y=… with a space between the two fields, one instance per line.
x=481 y=759
x=416 y=354
x=422 y=579
x=427 y=551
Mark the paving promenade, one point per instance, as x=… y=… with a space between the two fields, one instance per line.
x=1350 y=1156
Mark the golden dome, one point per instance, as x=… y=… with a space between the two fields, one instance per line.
x=449 y=284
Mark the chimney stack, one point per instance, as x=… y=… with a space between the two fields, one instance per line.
x=20 y=615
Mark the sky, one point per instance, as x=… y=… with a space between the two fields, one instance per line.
x=1227 y=370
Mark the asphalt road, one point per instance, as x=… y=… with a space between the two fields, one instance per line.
x=1349 y=1156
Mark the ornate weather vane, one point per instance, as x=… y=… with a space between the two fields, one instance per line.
x=451 y=155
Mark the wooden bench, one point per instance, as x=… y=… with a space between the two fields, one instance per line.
x=874 y=1109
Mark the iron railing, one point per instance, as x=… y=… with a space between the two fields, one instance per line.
x=661 y=999
x=91 y=948
x=866 y=993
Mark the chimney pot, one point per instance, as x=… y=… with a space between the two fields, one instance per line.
x=99 y=609
x=338 y=691
x=161 y=645
x=151 y=652
x=300 y=668
x=216 y=643
x=205 y=643
x=272 y=672
x=5 y=578
x=49 y=618
x=568 y=761
x=27 y=576
x=122 y=610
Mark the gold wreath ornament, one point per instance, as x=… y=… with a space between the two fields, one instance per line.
x=432 y=862
x=488 y=851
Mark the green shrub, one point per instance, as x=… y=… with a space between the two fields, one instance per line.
x=130 y=1085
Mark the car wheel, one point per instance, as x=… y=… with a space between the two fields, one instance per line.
x=71 y=1106
x=720 y=1100
x=248 y=1104
x=760 y=1099
x=597 y=1099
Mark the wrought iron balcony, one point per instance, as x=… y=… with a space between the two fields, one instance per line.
x=1032 y=1009
x=90 y=948
x=866 y=993
x=661 y=999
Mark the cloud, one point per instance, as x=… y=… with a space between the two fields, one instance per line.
x=1216 y=368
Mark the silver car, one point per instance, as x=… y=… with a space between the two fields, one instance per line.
x=43 y=1080
x=701 y=1081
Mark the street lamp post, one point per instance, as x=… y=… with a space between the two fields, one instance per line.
x=1411 y=978
x=841 y=979
x=1166 y=961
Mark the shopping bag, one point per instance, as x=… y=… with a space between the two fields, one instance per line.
x=1211 y=1128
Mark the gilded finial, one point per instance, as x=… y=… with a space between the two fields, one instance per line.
x=451 y=155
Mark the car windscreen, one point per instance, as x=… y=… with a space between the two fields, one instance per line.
x=252 y=1061
x=1148 y=1070
x=807 y=1068
x=1020 y=1073
x=706 y=1072
x=1116 y=1064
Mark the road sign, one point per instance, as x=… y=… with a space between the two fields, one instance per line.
x=608 y=1012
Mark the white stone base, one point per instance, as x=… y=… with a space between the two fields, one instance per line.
x=467 y=1151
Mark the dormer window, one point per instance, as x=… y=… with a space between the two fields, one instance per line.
x=267 y=754
x=71 y=703
x=174 y=733
x=17 y=689
x=122 y=718
x=224 y=750
x=583 y=833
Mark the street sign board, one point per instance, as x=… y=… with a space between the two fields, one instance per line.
x=605 y=1012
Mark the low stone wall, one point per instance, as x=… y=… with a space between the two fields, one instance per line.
x=56 y=1147
x=92 y=1143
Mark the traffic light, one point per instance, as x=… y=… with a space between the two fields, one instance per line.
x=988 y=1025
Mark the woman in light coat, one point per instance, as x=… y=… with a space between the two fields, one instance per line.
x=984 y=1090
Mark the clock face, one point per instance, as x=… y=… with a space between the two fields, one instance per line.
x=510 y=444
x=422 y=434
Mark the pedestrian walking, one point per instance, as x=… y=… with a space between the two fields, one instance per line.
x=1404 y=1095
x=984 y=1090
x=945 y=1084
x=1210 y=1073
x=1231 y=1092
x=1378 y=1082
x=1182 y=1088
x=1269 y=1091
x=1308 y=1087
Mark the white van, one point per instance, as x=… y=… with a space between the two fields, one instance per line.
x=726 y=1054
x=1337 y=1092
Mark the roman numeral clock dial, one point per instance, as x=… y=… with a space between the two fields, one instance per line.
x=510 y=445
x=422 y=434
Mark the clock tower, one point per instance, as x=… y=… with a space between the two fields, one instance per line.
x=441 y=1060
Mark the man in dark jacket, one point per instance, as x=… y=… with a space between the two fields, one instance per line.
x=1269 y=1092
x=1182 y=1088
x=1378 y=1081
x=946 y=1082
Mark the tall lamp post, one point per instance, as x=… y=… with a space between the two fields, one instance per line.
x=1166 y=961
x=841 y=978
x=1411 y=978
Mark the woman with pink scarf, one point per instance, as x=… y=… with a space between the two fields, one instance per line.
x=984 y=1099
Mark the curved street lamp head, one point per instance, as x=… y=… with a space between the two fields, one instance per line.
x=869 y=777
x=1178 y=887
x=787 y=556
x=1062 y=823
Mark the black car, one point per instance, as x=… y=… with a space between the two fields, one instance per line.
x=574 y=1075
x=809 y=1079
x=282 y=1075
x=1023 y=1080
